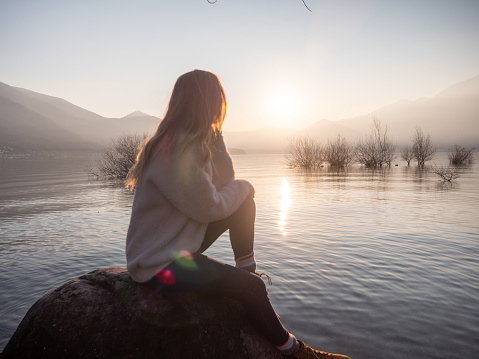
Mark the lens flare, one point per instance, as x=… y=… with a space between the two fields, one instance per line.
x=185 y=259
x=165 y=277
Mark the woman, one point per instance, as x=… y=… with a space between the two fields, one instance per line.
x=186 y=197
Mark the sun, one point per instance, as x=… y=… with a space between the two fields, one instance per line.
x=283 y=105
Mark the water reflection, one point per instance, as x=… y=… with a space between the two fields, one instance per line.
x=117 y=192
x=373 y=248
x=446 y=186
x=284 y=205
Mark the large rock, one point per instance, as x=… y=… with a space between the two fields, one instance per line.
x=104 y=314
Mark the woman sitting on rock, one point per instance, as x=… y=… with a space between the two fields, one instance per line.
x=186 y=197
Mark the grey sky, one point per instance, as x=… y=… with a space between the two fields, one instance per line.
x=344 y=58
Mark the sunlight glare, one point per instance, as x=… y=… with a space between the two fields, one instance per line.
x=284 y=206
x=284 y=104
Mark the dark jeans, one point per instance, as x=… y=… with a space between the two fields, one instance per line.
x=212 y=277
x=207 y=275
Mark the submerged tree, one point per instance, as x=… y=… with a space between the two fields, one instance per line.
x=304 y=152
x=377 y=149
x=460 y=155
x=119 y=157
x=407 y=154
x=447 y=174
x=422 y=148
x=338 y=153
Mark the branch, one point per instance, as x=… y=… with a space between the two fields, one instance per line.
x=306 y=6
x=446 y=173
x=304 y=2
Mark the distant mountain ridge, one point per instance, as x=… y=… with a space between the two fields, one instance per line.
x=451 y=117
x=33 y=121
x=136 y=114
x=25 y=130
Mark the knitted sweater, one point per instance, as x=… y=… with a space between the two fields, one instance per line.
x=174 y=201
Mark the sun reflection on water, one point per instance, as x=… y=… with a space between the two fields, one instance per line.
x=284 y=206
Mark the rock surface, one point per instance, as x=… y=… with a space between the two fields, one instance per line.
x=104 y=314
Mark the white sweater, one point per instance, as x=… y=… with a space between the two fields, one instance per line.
x=173 y=204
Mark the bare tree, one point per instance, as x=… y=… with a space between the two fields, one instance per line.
x=422 y=148
x=304 y=152
x=377 y=149
x=119 y=157
x=407 y=154
x=460 y=155
x=389 y=152
x=338 y=153
x=366 y=153
x=448 y=174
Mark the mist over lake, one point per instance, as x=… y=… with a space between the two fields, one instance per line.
x=31 y=121
x=370 y=263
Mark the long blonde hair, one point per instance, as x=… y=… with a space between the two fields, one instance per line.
x=195 y=113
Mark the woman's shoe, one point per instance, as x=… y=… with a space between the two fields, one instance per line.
x=306 y=352
x=270 y=281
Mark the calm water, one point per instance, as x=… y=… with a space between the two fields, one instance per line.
x=373 y=264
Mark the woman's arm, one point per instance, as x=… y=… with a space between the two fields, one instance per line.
x=223 y=170
x=190 y=189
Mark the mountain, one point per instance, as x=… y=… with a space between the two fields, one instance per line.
x=135 y=122
x=26 y=130
x=450 y=117
x=31 y=121
x=136 y=114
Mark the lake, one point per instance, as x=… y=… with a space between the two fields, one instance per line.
x=372 y=264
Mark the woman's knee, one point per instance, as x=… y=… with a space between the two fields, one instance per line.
x=248 y=207
x=249 y=201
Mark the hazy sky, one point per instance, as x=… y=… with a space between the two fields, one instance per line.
x=280 y=64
